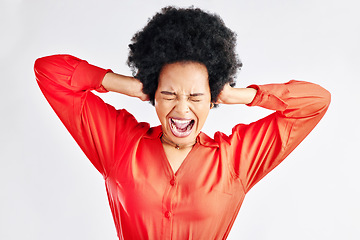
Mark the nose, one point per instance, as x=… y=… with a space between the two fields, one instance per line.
x=182 y=106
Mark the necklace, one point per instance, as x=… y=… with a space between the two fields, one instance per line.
x=175 y=145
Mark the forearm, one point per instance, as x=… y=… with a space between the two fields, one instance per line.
x=244 y=95
x=119 y=83
x=297 y=99
x=123 y=84
x=231 y=95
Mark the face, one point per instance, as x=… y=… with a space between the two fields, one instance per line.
x=182 y=100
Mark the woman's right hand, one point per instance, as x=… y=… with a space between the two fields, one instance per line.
x=125 y=85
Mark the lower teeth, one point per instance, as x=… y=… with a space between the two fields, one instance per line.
x=187 y=128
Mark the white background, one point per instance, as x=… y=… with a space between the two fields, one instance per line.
x=49 y=190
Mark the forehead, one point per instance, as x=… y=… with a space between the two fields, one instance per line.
x=184 y=76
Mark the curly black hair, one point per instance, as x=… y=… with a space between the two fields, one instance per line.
x=180 y=35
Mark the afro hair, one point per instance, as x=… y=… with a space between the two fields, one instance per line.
x=180 y=35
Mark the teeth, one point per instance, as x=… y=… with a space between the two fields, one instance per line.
x=181 y=124
x=181 y=128
x=181 y=121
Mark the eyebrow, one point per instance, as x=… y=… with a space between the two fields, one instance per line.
x=167 y=93
x=196 y=94
x=173 y=94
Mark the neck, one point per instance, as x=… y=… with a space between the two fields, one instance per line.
x=167 y=141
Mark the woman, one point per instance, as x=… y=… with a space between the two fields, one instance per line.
x=173 y=181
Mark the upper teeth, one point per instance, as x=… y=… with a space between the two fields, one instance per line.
x=180 y=121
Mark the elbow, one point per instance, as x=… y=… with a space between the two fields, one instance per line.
x=49 y=66
x=39 y=63
x=311 y=100
x=321 y=102
x=40 y=67
x=324 y=98
x=327 y=98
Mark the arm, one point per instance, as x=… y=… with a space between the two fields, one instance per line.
x=66 y=82
x=259 y=147
x=230 y=95
x=125 y=85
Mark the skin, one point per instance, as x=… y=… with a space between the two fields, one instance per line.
x=183 y=93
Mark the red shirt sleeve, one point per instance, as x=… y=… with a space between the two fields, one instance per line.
x=66 y=82
x=261 y=146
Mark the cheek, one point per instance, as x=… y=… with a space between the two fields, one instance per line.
x=162 y=110
x=202 y=113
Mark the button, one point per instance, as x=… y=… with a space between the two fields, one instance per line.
x=168 y=214
x=173 y=182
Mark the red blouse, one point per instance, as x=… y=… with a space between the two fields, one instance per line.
x=202 y=199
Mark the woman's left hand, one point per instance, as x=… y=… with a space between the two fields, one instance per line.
x=230 y=95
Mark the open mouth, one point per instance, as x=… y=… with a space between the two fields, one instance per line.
x=181 y=127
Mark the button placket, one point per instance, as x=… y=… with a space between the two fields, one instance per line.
x=173 y=182
x=168 y=214
x=172 y=190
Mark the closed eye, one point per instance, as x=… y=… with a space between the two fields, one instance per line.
x=168 y=95
x=196 y=97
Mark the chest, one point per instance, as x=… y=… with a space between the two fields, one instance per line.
x=193 y=185
x=175 y=157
